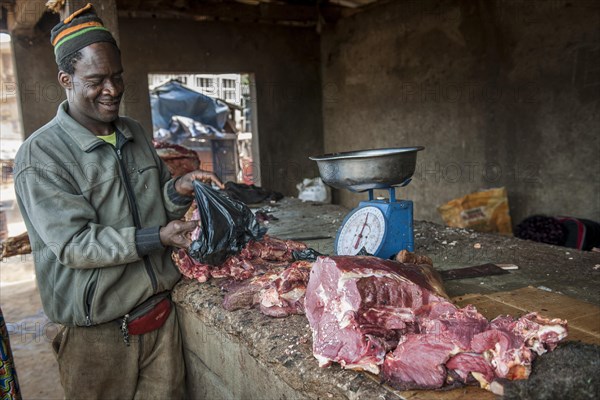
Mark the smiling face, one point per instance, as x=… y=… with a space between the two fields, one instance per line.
x=95 y=89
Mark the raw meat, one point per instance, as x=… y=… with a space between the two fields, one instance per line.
x=418 y=361
x=285 y=294
x=277 y=293
x=271 y=249
x=445 y=330
x=471 y=366
x=356 y=304
x=407 y=257
x=189 y=267
x=384 y=316
x=444 y=319
x=179 y=159
x=256 y=257
x=511 y=345
x=16 y=245
x=244 y=294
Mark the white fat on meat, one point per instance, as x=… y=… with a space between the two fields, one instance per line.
x=270 y=298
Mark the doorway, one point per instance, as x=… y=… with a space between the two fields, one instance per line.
x=213 y=115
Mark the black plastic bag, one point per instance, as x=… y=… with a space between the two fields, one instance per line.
x=250 y=194
x=308 y=254
x=227 y=225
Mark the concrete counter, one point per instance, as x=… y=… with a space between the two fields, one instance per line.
x=247 y=355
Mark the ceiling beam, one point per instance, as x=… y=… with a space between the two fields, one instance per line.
x=353 y=3
x=263 y=12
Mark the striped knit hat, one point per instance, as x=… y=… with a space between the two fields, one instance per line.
x=77 y=31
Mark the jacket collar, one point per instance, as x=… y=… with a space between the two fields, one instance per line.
x=84 y=138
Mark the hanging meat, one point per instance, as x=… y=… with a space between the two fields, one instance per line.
x=179 y=159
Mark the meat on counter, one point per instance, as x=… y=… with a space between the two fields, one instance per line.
x=392 y=319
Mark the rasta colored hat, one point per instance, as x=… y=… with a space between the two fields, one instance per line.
x=77 y=31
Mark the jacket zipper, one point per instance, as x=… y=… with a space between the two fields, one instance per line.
x=134 y=211
x=88 y=295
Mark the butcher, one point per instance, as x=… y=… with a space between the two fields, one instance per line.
x=103 y=214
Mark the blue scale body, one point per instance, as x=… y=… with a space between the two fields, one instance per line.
x=398 y=230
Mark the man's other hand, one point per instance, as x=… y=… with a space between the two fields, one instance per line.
x=178 y=233
x=185 y=184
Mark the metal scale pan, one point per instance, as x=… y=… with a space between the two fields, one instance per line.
x=363 y=170
x=381 y=227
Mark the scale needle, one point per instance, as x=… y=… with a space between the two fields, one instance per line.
x=361 y=232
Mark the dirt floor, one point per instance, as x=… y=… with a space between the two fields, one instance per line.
x=29 y=330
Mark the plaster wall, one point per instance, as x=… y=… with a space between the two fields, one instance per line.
x=284 y=61
x=501 y=93
x=219 y=367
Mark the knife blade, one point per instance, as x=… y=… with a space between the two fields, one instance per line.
x=475 y=271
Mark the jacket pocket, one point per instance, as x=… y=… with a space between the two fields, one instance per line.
x=88 y=295
x=144 y=177
x=144 y=169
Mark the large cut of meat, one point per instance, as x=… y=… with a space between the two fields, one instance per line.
x=393 y=318
x=357 y=307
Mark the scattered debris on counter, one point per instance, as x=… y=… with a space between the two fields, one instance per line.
x=263 y=216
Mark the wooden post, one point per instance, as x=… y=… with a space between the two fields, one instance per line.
x=106 y=10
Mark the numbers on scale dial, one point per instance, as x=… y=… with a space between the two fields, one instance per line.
x=364 y=228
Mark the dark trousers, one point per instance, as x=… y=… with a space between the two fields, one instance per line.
x=95 y=363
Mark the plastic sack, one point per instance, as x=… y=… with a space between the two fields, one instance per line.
x=227 y=226
x=485 y=211
x=173 y=98
x=250 y=194
x=314 y=190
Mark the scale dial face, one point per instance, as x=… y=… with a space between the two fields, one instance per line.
x=365 y=227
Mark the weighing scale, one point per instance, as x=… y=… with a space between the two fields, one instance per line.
x=382 y=226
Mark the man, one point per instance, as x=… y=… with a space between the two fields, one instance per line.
x=97 y=201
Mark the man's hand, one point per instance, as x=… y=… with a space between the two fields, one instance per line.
x=177 y=233
x=185 y=184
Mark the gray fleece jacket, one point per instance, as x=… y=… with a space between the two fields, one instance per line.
x=93 y=213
